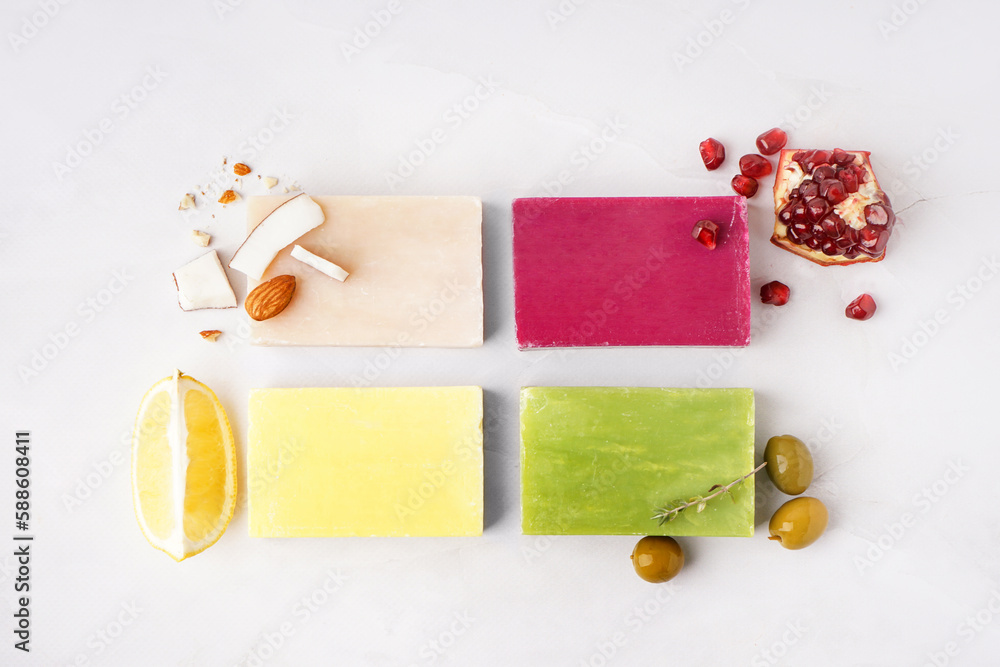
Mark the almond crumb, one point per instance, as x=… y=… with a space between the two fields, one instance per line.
x=228 y=197
x=241 y=169
x=187 y=201
x=210 y=334
x=200 y=237
x=270 y=182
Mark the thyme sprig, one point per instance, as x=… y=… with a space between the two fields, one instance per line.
x=672 y=510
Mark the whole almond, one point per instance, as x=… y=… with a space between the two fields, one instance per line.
x=270 y=298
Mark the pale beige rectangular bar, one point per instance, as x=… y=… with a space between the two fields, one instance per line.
x=416 y=274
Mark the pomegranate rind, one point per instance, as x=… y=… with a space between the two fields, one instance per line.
x=786 y=170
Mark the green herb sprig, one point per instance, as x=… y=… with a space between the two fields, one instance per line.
x=672 y=510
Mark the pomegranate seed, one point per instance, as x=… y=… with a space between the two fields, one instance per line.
x=809 y=189
x=849 y=179
x=852 y=252
x=705 y=232
x=712 y=153
x=830 y=247
x=873 y=240
x=744 y=185
x=798 y=232
x=834 y=226
x=861 y=308
x=816 y=158
x=785 y=214
x=843 y=242
x=860 y=172
x=799 y=212
x=833 y=191
x=771 y=142
x=820 y=174
x=841 y=157
x=816 y=209
x=813 y=243
x=754 y=166
x=879 y=215
x=774 y=292
x=798 y=156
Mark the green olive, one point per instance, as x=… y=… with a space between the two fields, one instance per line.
x=799 y=522
x=657 y=558
x=789 y=464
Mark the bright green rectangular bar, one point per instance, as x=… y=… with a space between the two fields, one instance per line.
x=599 y=460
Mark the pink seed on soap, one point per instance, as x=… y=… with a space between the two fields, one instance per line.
x=772 y=141
x=713 y=153
x=861 y=308
x=774 y=293
x=744 y=185
x=754 y=166
x=706 y=233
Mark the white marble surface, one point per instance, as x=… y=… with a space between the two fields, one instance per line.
x=501 y=102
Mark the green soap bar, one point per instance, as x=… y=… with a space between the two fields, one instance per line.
x=599 y=460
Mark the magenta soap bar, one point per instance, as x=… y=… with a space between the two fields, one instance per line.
x=626 y=271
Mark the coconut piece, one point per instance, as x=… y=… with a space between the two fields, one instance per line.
x=285 y=224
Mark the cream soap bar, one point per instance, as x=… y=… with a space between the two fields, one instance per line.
x=599 y=460
x=365 y=462
x=416 y=274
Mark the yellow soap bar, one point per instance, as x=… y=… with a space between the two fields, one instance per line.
x=402 y=461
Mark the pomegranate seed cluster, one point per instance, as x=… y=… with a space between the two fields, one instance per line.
x=811 y=216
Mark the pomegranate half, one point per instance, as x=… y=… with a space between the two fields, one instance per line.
x=829 y=207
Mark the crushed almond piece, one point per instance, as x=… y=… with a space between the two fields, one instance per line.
x=241 y=169
x=228 y=197
x=270 y=182
x=187 y=201
x=210 y=334
x=200 y=237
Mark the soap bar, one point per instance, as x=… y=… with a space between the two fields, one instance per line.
x=365 y=462
x=600 y=460
x=416 y=276
x=626 y=271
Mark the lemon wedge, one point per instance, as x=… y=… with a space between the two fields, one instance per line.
x=183 y=467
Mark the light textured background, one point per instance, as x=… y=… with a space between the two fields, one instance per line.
x=897 y=439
